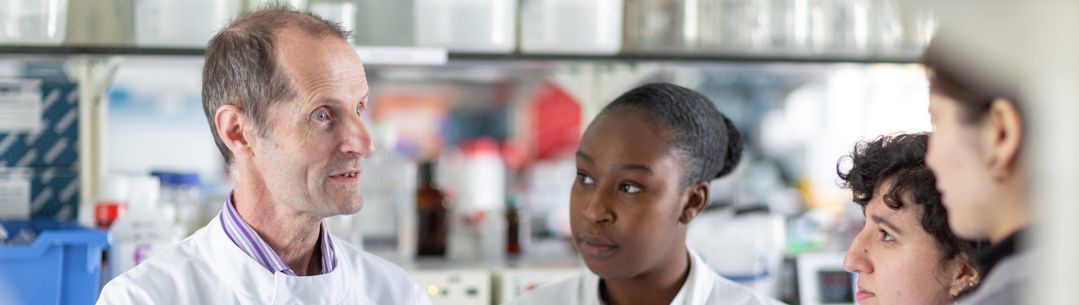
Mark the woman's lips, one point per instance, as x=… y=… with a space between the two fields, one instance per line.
x=596 y=246
x=863 y=294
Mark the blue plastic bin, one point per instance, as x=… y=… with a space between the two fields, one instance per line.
x=61 y=266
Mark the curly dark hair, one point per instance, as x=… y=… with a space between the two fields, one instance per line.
x=709 y=142
x=901 y=159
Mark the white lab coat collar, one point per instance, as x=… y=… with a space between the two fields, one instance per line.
x=698 y=286
x=696 y=290
x=239 y=269
x=703 y=286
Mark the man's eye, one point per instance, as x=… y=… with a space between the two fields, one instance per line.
x=321 y=116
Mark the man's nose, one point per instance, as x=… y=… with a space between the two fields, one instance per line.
x=357 y=139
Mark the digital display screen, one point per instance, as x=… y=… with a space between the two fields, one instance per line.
x=835 y=286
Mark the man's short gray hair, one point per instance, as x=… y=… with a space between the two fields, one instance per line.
x=241 y=68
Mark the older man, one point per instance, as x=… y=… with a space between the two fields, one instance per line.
x=284 y=94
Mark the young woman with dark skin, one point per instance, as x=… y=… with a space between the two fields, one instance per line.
x=644 y=166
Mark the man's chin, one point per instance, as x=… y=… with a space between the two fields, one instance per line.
x=350 y=207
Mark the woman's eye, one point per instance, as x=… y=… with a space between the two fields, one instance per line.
x=585 y=179
x=884 y=236
x=321 y=116
x=629 y=188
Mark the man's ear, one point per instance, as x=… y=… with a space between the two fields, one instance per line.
x=1003 y=137
x=696 y=199
x=232 y=128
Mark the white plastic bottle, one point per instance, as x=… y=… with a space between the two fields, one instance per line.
x=478 y=227
x=142 y=231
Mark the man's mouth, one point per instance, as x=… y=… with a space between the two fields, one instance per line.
x=349 y=175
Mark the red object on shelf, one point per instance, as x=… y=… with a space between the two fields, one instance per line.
x=556 y=122
x=514 y=156
x=106 y=212
x=481 y=146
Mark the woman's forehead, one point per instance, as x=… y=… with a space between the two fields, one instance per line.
x=906 y=214
x=626 y=135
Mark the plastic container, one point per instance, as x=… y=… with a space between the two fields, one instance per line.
x=143 y=230
x=571 y=26
x=733 y=26
x=478 y=225
x=181 y=200
x=61 y=266
x=33 y=22
x=384 y=23
x=480 y=26
x=106 y=213
x=850 y=22
x=181 y=23
x=389 y=186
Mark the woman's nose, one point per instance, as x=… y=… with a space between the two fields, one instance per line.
x=857 y=258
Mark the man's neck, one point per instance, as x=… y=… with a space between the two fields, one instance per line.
x=292 y=235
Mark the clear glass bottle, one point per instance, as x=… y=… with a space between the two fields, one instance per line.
x=656 y=26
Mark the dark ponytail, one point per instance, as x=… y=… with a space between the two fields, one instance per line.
x=735 y=147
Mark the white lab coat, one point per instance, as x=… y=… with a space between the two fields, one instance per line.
x=208 y=268
x=703 y=287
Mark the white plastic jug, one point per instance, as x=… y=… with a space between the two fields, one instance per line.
x=141 y=232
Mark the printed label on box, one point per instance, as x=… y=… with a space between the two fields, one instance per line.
x=14 y=193
x=20 y=105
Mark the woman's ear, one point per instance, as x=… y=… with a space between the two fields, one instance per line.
x=696 y=199
x=1003 y=134
x=965 y=277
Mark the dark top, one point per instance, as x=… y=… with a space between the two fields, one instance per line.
x=991 y=256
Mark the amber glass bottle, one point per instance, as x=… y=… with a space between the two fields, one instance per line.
x=432 y=214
